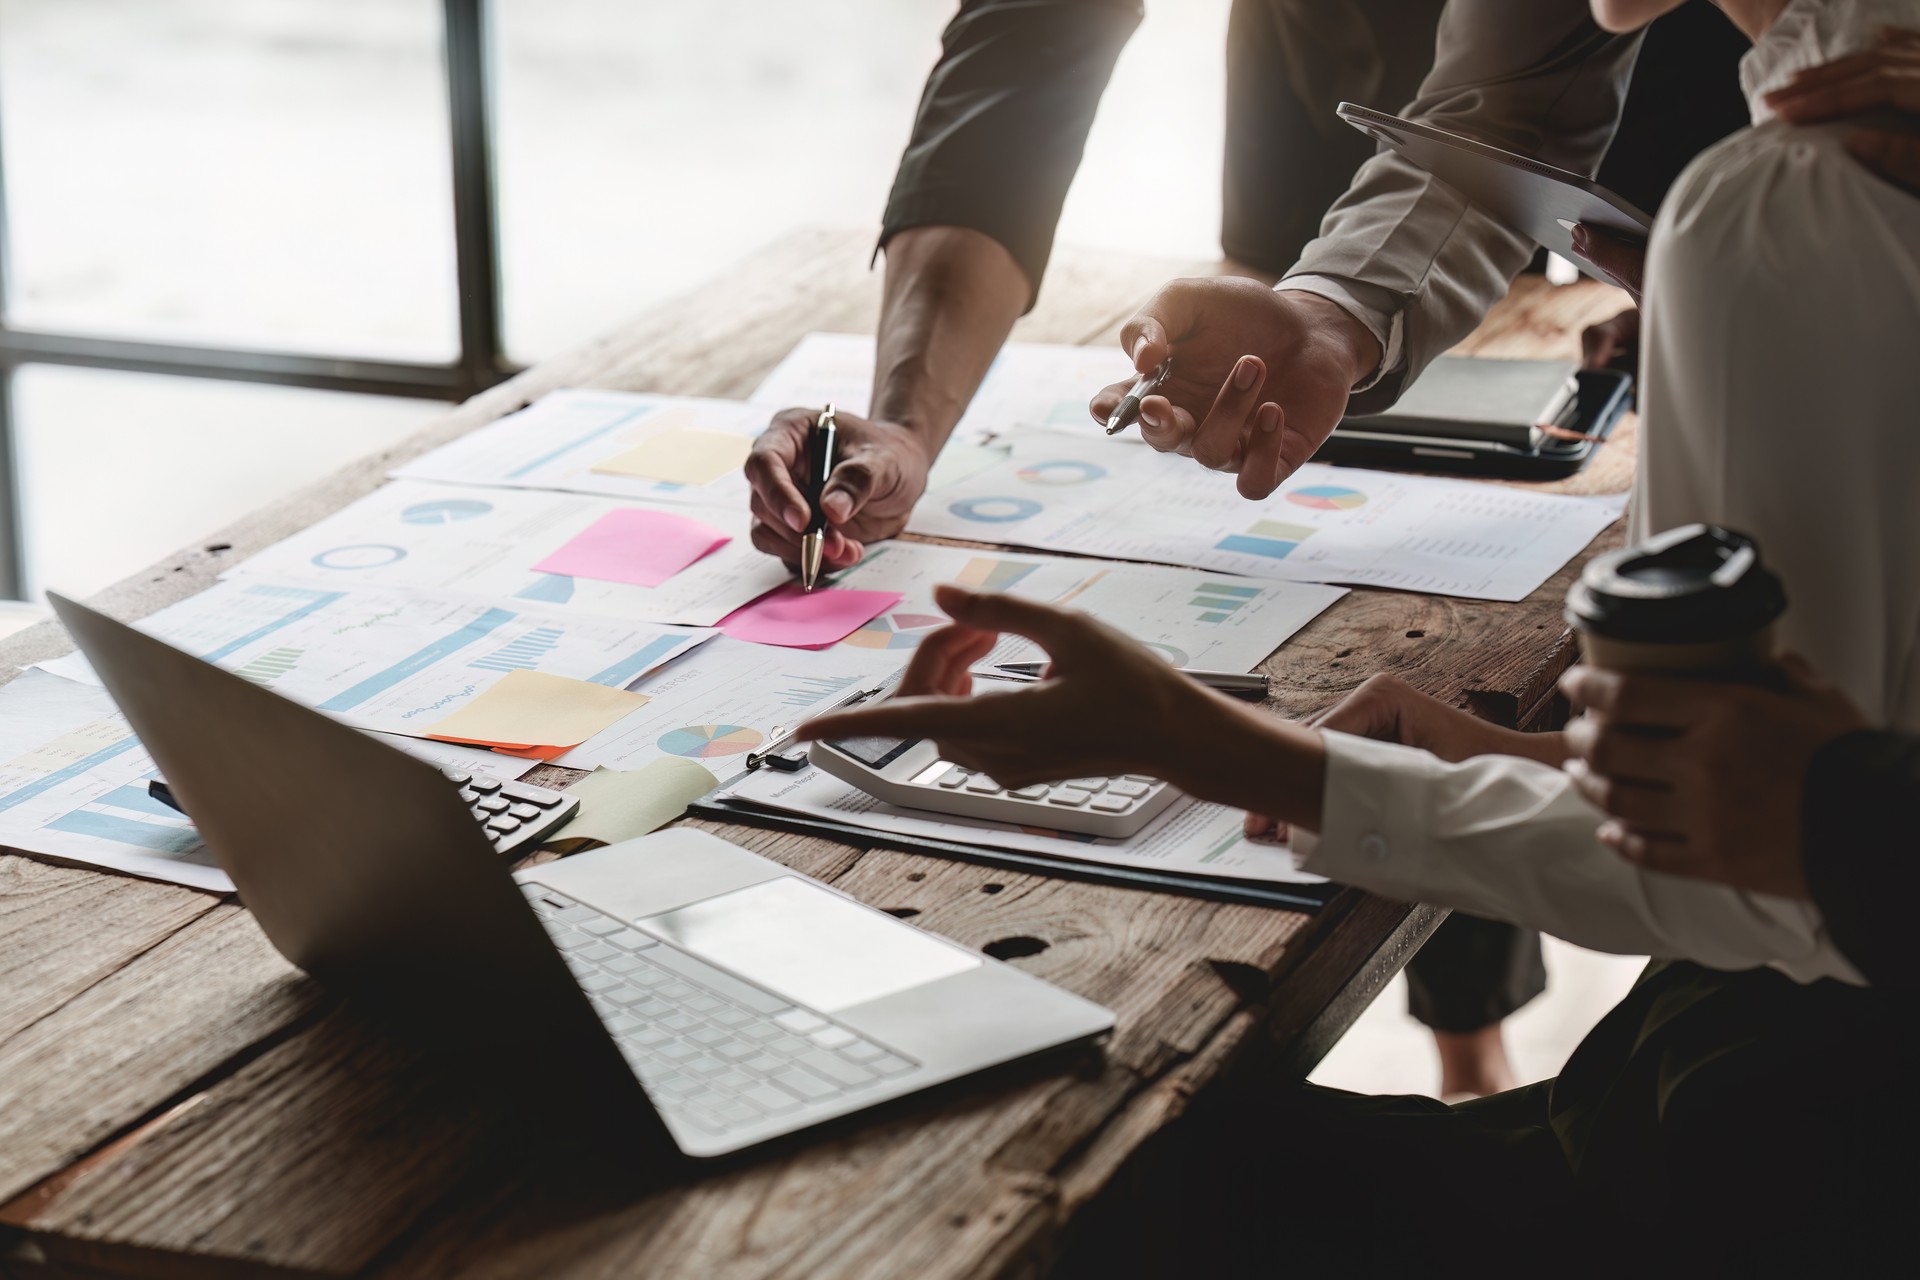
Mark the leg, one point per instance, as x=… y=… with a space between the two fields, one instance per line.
x=1463 y=983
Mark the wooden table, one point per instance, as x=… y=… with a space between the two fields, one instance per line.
x=176 y=1100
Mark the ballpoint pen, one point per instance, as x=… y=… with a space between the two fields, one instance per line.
x=782 y=735
x=1143 y=386
x=820 y=450
x=1239 y=684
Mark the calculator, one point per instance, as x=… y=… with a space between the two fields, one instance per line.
x=514 y=815
x=912 y=775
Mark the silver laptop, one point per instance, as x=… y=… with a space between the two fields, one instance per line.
x=677 y=990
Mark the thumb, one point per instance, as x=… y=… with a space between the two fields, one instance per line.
x=847 y=490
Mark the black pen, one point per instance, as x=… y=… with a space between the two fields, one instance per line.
x=1239 y=684
x=1143 y=386
x=813 y=543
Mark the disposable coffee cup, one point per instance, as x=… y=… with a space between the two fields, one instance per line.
x=1694 y=601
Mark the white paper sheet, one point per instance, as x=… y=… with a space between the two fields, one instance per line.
x=73 y=784
x=1068 y=492
x=556 y=443
x=1031 y=384
x=726 y=698
x=482 y=543
x=1209 y=621
x=1190 y=837
x=397 y=661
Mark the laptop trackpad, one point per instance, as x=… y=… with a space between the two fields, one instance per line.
x=809 y=945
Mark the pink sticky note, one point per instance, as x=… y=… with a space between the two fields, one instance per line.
x=636 y=546
x=802 y=619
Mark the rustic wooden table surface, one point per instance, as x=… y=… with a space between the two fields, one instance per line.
x=175 y=1099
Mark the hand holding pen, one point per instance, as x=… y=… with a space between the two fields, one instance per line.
x=822 y=453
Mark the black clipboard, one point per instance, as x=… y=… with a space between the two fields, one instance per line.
x=1307 y=898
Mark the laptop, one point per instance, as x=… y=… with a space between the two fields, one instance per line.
x=677 y=993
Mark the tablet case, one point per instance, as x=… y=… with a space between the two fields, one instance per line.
x=1534 y=198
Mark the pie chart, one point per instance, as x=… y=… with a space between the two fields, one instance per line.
x=445 y=511
x=1327 y=497
x=705 y=741
x=895 y=630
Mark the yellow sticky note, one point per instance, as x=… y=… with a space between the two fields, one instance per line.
x=619 y=804
x=534 y=709
x=680 y=456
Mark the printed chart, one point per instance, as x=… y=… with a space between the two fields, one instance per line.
x=668 y=449
x=1327 y=524
x=482 y=543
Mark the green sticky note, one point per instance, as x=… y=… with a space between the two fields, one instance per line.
x=619 y=804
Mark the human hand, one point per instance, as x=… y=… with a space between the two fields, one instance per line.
x=1260 y=378
x=881 y=473
x=1388 y=709
x=1704 y=778
x=1612 y=340
x=1069 y=725
x=1622 y=258
x=1884 y=77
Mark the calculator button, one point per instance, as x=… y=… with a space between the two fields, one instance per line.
x=485 y=786
x=1139 y=777
x=1029 y=793
x=469 y=794
x=1086 y=784
x=456 y=777
x=504 y=825
x=1067 y=796
x=529 y=795
x=493 y=804
x=1131 y=790
x=953 y=777
x=1111 y=804
x=983 y=785
x=524 y=812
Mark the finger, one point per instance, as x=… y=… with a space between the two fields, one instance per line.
x=775 y=542
x=1900 y=38
x=1623 y=755
x=848 y=488
x=1642 y=701
x=775 y=524
x=1851 y=69
x=1167 y=318
x=920 y=717
x=943 y=662
x=1654 y=808
x=1262 y=470
x=1894 y=156
x=772 y=463
x=1221 y=439
x=1060 y=632
x=1623 y=260
x=1107 y=399
x=1879 y=86
x=1166 y=426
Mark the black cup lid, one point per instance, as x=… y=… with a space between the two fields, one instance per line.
x=1693 y=584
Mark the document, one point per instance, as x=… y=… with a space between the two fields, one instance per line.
x=635 y=545
x=1190 y=837
x=793 y=616
x=533 y=710
x=485 y=544
x=73 y=784
x=669 y=449
x=1068 y=492
x=1030 y=384
x=728 y=697
x=1211 y=621
x=397 y=660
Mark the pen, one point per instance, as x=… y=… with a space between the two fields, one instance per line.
x=813 y=543
x=1143 y=386
x=1238 y=684
x=782 y=735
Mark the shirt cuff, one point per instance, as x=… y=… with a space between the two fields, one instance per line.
x=1364 y=303
x=1373 y=816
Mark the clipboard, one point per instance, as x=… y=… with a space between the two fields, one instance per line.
x=1306 y=898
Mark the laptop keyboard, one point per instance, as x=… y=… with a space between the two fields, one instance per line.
x=714 y=1052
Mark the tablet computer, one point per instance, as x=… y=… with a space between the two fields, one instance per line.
x=1534 y=198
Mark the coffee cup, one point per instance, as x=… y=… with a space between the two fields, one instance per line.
x=1695 y=601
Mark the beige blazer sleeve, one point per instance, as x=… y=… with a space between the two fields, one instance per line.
x=1533 y=76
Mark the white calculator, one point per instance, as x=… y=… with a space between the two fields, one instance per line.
x=912 y=775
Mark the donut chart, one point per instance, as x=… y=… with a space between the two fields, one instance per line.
x=995 y=510
x=1061 y=472
x=706 y=741
x=361 y=555
x=1327 y=497
x=446 y=511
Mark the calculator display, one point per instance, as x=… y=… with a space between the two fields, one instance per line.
x=875 y=753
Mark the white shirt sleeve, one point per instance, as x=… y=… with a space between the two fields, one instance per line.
x=1512 y=840
x=1372 y=307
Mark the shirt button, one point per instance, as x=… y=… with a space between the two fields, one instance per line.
x=1374 y=848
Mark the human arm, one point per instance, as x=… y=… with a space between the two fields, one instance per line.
x=1496 y=836
x=1404 y=266
x=1883 y=80
x=967 y=232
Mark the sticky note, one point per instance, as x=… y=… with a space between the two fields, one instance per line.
x=680 y=456
x=528 y=709
x=806 y=619
x=619 y=804
x=636 y=546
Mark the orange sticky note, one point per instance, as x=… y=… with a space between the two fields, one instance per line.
x=533 y=710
